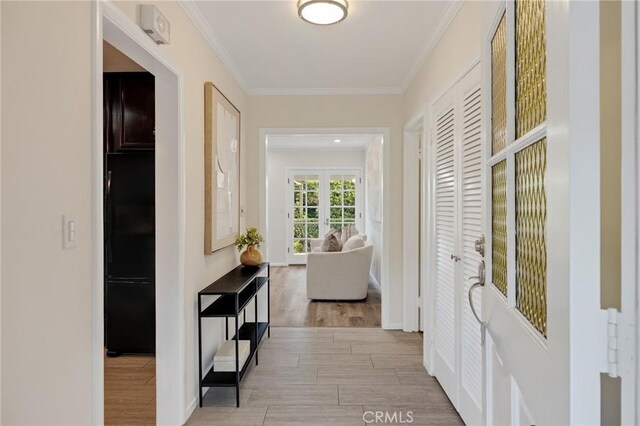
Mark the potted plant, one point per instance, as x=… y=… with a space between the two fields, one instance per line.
x=251 y=240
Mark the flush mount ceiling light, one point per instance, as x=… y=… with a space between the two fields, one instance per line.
x=323 y=12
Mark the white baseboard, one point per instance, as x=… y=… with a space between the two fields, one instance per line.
x=393 y=326
x=279 y=264
x=190 y=409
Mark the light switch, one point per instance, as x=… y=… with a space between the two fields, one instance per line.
x=69 y=234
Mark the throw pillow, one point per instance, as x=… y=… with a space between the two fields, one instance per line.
x=331 y=243
x=353 y=243
x=347 y=232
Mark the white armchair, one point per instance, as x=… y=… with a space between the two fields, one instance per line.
x=342 y=275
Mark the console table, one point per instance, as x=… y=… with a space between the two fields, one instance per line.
x=235 y=290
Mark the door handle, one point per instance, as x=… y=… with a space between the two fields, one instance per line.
x=478 y=284
x=455 y=258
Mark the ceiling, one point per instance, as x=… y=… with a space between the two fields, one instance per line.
x=378 y=49
x=319 y=142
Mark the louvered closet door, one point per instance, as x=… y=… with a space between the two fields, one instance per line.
x=457 y=153
x=444 y=135
x=470 y=106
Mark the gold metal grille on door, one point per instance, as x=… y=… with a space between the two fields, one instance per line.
x=531 y=90
x=499 y=226
x=531 y=226
x=499 y=87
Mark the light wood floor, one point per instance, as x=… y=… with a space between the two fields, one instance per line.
x=291 y=308
x=322 y=376
x=130 y=390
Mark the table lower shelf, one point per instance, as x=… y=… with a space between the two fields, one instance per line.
x=228 y=378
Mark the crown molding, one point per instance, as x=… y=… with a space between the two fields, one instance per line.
x=193 y=13
x=451 y=10
x=321 y=91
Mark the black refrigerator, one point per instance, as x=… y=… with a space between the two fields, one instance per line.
x=130 y=316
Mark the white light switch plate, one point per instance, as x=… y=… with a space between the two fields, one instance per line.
x=69 y=232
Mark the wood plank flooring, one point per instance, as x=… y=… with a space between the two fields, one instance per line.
x=130 y=390
x=291 y=308
x=332 y=376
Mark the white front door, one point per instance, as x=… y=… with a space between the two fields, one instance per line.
x=546 y=339
x=457 y=153
x=320 y=200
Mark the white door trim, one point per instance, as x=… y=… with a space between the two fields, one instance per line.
x=109 y=22
x=413 y=244
x=386 y=207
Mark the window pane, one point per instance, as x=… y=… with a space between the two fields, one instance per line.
x=350 y=183
x=531 y=228
x=350 y=198
x=336 y=198
x=336 y=226
x=499 y=87
x=350 y=214
x=531 y=53
x=313 y=184
x=499 y=226
x=298 y=213
x=298 y=230
x=312 y=213
x=312 y=199
x=335 y=184
x=298 y=183
x=335 y=213
x=297 y=198
x=313 y=231
x=298 y=246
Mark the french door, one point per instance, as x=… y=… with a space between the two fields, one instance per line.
x=320 y=200
x=457 y=163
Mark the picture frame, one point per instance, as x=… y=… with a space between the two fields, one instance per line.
x=222 y=170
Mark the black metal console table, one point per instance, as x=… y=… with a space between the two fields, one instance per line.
x=235 y=290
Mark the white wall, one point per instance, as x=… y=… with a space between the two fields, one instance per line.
x=46 y=172
x=278 y=163
x=373 y=182
x=364 y=111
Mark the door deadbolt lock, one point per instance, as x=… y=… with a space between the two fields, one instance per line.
x=480 y=245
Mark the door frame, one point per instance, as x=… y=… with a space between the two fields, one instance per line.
x=386 y=206
x=322 y=208
x=414 y=244
x=111 y=24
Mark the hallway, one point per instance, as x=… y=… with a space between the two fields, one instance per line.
x=332 y=376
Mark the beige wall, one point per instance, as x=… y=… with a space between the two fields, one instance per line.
x=193 y=56
x=46 y=172
x=459 y=46
x=334 y=112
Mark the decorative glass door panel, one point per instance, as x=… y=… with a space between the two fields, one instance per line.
x=320 y=201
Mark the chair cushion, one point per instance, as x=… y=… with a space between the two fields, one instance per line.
x=347 y=232
x=353 y=243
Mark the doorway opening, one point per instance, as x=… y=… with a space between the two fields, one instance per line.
x=323 y=189
x=168 y=402
x=129 y=239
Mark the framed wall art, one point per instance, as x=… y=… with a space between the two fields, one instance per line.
x=222 y=170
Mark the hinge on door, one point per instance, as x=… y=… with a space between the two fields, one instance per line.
x=288 y=180
x=288 y=249
x=360 y=180
x=612 y=342
x=609 y=363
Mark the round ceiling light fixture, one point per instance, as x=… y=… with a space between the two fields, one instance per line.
x=323 y=12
